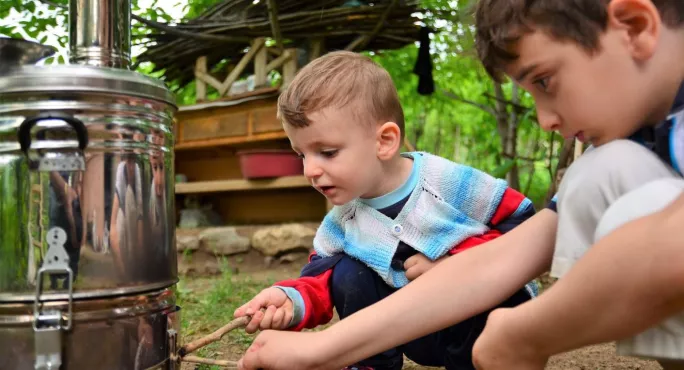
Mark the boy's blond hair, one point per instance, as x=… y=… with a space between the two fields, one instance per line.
x=337 y=80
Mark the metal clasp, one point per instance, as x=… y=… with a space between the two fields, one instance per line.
x=49 y=324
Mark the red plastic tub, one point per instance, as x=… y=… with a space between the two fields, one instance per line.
x=256 y=164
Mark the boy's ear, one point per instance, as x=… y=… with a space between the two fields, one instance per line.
x=641 y=20
x=388 y=140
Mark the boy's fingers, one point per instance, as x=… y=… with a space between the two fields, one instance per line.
x=267 y=321
x=412 y=273
x=278 y=318
x=254 y=323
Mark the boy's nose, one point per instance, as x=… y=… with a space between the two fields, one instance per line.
x=548 y=121
x=311 y=169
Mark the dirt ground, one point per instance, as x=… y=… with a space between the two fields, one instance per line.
x=252 y=268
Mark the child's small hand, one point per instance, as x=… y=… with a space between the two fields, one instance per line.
x=277 y=314
x=418 y=264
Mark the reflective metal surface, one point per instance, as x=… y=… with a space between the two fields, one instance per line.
x=100 y=33
x=116 y=207
x=73 y=79
x=127 y=333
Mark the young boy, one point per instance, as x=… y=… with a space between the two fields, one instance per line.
x=395 y=215
x=601 y=71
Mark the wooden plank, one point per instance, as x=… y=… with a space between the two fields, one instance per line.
x=226 y=125
x=231 y=140
x=266 y=120
x=271 y=206
x=241 y=185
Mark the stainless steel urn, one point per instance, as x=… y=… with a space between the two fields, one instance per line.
x=87 y=249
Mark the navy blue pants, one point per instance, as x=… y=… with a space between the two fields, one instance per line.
x=356 y=286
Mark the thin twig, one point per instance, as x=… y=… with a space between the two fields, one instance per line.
x=208 y=361
x=213 y=337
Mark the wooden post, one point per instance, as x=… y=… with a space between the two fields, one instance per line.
x=316 y=47
x=578 y=149
x=289 y=68
x=200 y=85
x=260 y=61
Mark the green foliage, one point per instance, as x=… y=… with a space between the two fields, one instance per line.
x=454 y=126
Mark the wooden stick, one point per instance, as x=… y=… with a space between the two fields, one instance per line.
x=213 y=337
x=208 y=361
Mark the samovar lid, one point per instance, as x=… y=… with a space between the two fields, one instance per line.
x=75 y=78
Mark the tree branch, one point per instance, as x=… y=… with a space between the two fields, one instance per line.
x=483 y=107
x=171 y=30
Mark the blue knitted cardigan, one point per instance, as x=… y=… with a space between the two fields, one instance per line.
x=450 y=203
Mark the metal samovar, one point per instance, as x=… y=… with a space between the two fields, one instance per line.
x=87 y=230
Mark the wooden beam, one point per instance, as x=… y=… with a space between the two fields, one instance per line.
x=200 y=84
x=257 y=44
x=275 y=24
x=276 y=63
x=241 y=185
x=207 y=79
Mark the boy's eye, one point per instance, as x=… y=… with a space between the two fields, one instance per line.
x=329 y=153
x=543 y=83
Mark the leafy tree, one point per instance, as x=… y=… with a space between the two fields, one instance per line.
x=468 y=118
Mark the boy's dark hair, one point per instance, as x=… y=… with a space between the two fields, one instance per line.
x=340 y=79
x=500 y=23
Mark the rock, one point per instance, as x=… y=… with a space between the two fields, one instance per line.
x=293 y=257
x=223 y=241
x=187 y=242
x=276 y=240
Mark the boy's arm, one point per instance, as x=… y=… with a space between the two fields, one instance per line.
x=485 y=276
x=310 y=293
x=628 y=281
x=514 y=209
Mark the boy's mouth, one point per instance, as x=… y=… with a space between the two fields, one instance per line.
x=580 y=136
x=327 y=190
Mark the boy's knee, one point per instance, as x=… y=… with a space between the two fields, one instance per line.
x=349 y=272
x=645 y=200
x=600 y=177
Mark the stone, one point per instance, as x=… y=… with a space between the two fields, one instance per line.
x=187 y=242
x=223 y=241
x=294 y=257
x=277 y=240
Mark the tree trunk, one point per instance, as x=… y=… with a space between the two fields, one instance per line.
x=507 y=125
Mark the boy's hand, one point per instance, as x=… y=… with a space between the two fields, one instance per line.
x=278 y=313
x=499 y=348
x=283 y=350
x=418 y=264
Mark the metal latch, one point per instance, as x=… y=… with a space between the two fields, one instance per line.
x=49 y=324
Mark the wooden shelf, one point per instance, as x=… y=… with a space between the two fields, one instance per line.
x=230 y=141
x=241 y=185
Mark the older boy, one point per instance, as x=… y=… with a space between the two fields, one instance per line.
x=395 y=215
x=599 y=70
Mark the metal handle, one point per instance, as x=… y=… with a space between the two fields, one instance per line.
x=24 y=133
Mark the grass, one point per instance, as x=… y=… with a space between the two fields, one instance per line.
x=207 y=304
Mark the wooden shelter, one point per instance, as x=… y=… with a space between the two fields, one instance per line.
x=240 y=54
